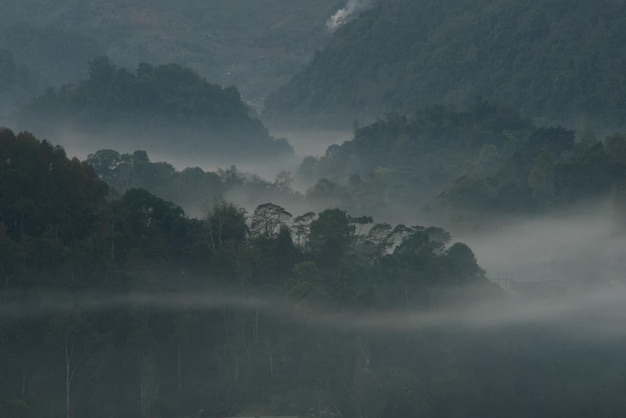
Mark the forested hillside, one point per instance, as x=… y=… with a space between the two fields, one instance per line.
x=483 y=162
x=554 y=60
x=167 y=107
x=123 y=306
x=458 y=168
x=193 y=188
x=255 y=45
x=460 y=256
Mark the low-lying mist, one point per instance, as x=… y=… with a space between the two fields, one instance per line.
x=581 y=244
x=597 y=311
x=266 y=166
x=304 y=143
x=312 y=142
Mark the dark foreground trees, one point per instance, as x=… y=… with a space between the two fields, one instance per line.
x=123 y=306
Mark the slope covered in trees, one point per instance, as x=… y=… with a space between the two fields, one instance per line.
x=69 y=251
x=167 y=107
x=556 y=60
x=191 y=188
x=255 y=45
x=126 y=307
x=486 y=160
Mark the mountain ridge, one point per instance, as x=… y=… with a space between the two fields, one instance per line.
x=552 y=60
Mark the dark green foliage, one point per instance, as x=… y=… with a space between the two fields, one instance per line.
x=188 y=188
x=43 y=192
x=144 y=312
x=551 y=59
x=547 y=171
x=256 y=46
x=331 y=235
x=151 y=225
x=268 y=221
x=402 y=162
x=167 y=107
x=225 y=225
x=450 y=164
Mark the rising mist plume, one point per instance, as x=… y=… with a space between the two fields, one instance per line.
x=342 y=15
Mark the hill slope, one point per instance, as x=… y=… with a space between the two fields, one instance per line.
x=255 y=45
x=551 y=59
x=167 y=108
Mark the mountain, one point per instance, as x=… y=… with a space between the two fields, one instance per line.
x=555 y=60
x=167 y=107
x=255 y=45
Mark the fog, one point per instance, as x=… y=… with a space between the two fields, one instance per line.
x=581 y=244
x=343 y=15
x=591 y=311
x=82 y=145
x=313 y=142
x=232 y=316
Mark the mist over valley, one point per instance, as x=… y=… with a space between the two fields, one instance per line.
x=329 y=209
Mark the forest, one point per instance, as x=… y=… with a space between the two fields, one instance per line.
x=554 y=60
x=483 y=162
x=124 y=297
x=170 y=249
x=254 y=45
x=150 y=107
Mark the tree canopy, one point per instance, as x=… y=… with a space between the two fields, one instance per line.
x=550 y=59
x=166 y=107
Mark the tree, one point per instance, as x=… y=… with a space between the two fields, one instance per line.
x=331 y=235
x=283 y=182
x=301 y=227
x=267 y=220
x=152 y=225
x=69 y=333
x=462 y=265
x=379 y=240
x=224 y=226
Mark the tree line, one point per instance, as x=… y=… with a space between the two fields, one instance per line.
x=63 y=233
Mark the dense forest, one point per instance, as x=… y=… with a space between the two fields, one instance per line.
x=460 y=254
x=255 y=45
x=127 y=299
x=457 y=168
x=556 y=60
x=193 y=188
x=463 y=167
x=148 y=108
